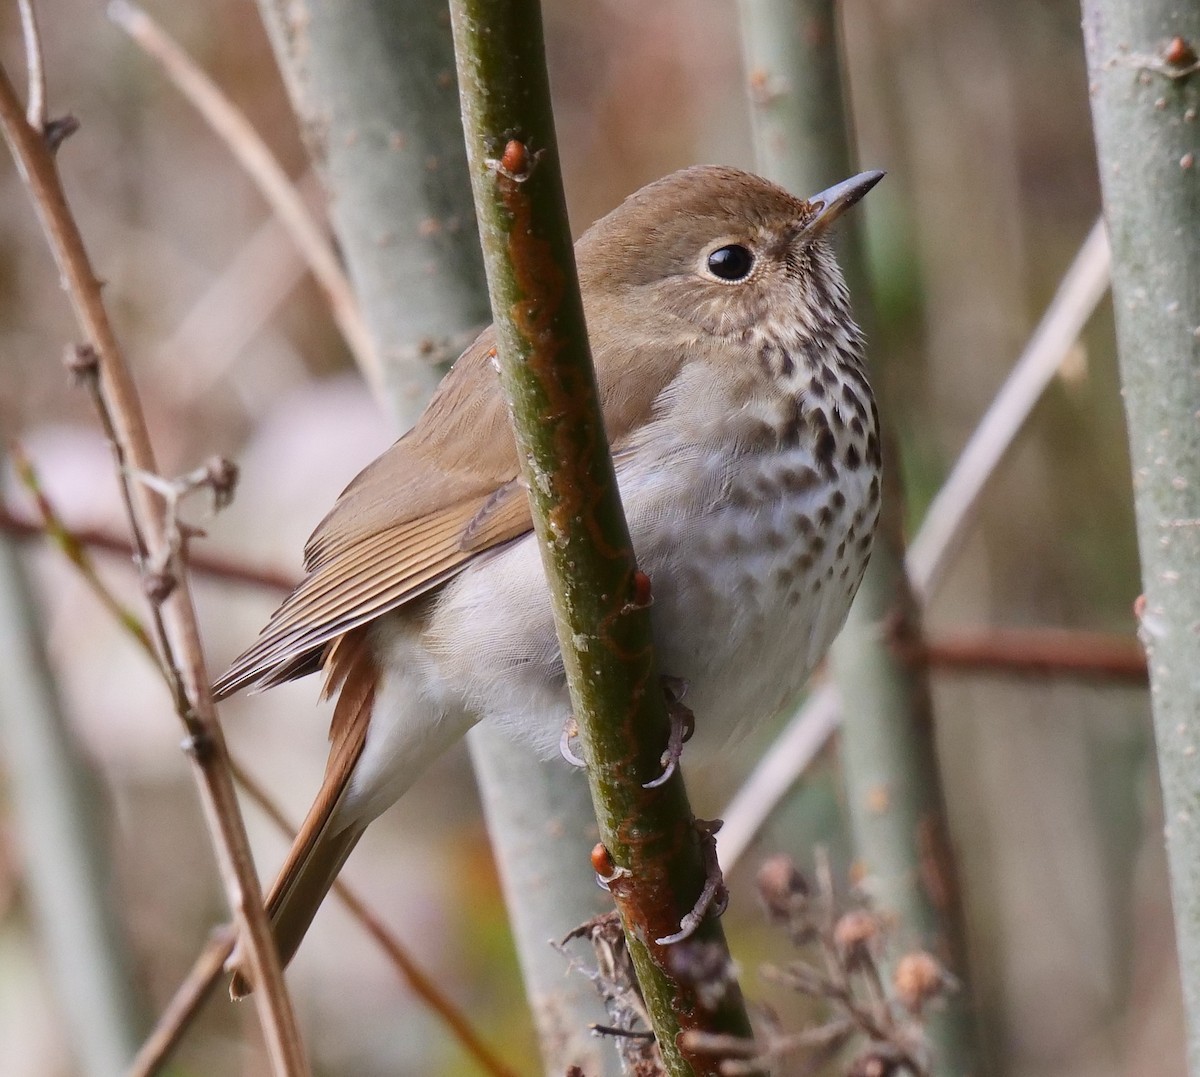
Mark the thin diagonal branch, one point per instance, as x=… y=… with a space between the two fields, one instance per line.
x=206 y=971
x=175 y=620
x=244 y=142
x=185 y=1005
x=202 y=979
x=951 y=512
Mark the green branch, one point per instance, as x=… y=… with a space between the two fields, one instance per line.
x=601 y=602
x=1144 y=76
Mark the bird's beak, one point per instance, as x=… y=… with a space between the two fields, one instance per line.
x=831 y=203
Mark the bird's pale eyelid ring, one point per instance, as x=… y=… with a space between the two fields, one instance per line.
x=729 y=244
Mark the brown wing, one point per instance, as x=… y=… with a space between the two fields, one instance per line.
x=445 y=493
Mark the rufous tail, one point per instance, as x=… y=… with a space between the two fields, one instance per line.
x=324 y=842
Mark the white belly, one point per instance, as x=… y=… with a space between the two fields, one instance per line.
x=747 y=598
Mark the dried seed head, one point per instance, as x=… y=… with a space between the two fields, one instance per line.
x=781 y=886
x=919 y=978
x=854 y=933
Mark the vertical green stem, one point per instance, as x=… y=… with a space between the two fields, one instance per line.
x=1144 y=77
x=889 y=758
x=373 y=84
x=601 y=602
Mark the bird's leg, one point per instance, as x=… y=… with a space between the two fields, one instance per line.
x=570 y=731
x=683 y=725
x=714 y=897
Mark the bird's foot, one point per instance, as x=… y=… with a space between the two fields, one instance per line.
x=683 y=725
x=714 y=897
x=570 y=731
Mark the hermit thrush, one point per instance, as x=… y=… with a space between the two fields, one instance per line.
x=744 y=435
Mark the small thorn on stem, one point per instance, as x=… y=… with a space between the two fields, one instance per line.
x=198 y=745
x=56 y=132
x=158 y=585
x=83 y=364
x=714 y=897
x=516 y=163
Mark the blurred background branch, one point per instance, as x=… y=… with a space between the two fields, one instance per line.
x=1145 y=92
x=61 y=815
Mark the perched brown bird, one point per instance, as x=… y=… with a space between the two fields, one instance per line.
x=744 y=434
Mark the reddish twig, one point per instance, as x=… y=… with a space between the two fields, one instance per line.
x=1033 y=652
x=214 y=566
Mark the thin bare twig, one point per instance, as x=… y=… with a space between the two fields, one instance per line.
x=205 y=972
x=1076 y=299
x=236 y=305
x=251 y=152
x=174 y=616
x=421 y=984
x=776 y=772
x=185 y=1004
x=77 y=554
x=202 y=979
x=35 y=105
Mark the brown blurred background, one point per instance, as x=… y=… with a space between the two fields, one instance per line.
x=979 y=113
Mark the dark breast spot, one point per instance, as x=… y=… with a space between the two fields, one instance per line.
x=853 y=459
x=792 y=424
x=796 y=480
x=825 y=445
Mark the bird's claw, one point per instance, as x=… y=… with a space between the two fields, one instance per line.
x=683 y=725
x=570 y=731
x=714 y=897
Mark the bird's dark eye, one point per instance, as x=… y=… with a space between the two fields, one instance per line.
x=731 y=263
